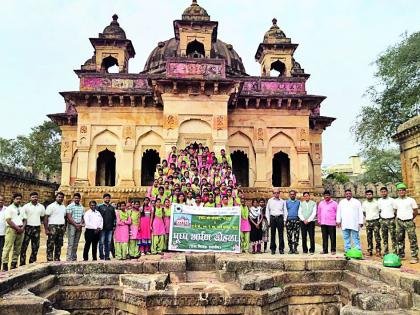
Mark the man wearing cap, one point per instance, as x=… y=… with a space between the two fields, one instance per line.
x=407 y=210
x=373 y=226
x=386 y=206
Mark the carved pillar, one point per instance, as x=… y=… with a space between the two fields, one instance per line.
x=66 y=157
x=261 y=167
x=82 y=167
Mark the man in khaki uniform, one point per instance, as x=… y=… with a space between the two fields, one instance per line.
x=16 y=221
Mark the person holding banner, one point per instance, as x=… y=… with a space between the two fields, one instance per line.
x=158 y=228
x=167 y=222
x=245 y=226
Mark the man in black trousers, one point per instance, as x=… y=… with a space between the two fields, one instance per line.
x=276 y=213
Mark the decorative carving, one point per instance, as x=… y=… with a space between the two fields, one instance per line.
x=83 y=129
x=170 y=122
x=195 y=70
x=220 y=122
x=303 y=134
x=83 y=141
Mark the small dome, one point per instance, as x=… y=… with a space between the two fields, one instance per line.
x=113 y=30
x=274 y=34
x=195 y=13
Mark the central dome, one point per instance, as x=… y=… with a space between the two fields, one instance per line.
x=156 y=63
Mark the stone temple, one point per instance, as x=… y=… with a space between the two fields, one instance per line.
x=193 y=88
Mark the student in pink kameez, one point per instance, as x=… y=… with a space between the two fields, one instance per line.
x=144 y=233
x=158 y=228
x=121 y=234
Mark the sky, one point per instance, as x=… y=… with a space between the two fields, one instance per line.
x=43 y=41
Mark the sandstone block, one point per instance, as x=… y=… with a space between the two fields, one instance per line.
x=263 y=283
x=247 y=281
x=376 y=302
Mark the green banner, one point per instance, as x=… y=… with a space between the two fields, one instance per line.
x=198 y=229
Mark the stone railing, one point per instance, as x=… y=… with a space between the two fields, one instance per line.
x=358 y=189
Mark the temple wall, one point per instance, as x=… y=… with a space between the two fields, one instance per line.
x=16 y=181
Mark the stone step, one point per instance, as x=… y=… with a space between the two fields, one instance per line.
x=42 y=285
x=361 y=284
x=352 y=310
x=50 y=294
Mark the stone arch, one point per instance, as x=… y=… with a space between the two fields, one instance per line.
x=240 y=167
x=195 y=49
x=277 y=67
x=240 y=141
x=149 y=161
x=109 y=63
x=105 y=168
x=280 y=142
x=194 y=125
x=105 y=139
x=193 y=129
x=73 y=167
x=149 y=140
x=416 y=176
x=281 y=170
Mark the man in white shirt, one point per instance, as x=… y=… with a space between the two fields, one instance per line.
x=373 y=226
x=2 y=224
x=16 y=220
x=307 y=214
x=94 y=224
x=34 y=212
x=350 y=219
x=387 y=212
x=55 y=227
x=276 y=214
x=407 y=210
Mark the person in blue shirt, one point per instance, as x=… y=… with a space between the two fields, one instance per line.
x=292 y=222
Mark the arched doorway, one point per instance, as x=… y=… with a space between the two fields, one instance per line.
x=148 y=166
x=105 y=168
x=416 y=177
x=110 y=65
x=281 y=170
x=278 y=68
x=195 y=49
x=240 y=167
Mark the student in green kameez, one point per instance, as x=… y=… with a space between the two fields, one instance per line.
x=245 y=226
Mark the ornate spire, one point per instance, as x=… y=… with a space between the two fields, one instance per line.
x=115 y=20
x=195 y=13
x=113 y=30
x=274 y=22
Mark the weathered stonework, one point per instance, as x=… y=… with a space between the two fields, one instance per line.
x=194 y=88
x=408 y=137
x=277 y=285
x=17 y=181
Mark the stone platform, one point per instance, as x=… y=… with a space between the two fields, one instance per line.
x=211 y=284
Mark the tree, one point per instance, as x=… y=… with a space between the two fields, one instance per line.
x=338 y=177
x=382 y=165
x=396 y=96
x=40 y=151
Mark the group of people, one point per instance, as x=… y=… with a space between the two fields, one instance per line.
x=383 y=217
x=195 y=176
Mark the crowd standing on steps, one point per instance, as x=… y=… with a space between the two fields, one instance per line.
x=197 y=177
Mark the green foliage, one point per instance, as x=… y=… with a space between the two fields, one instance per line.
x=395 y=97
x=382 y=165
x=39 y=151
x=338 y=178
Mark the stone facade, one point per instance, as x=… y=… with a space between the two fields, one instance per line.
x=408 y=137
x=194 y=88
x=17 y=181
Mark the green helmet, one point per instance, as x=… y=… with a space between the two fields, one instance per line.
x=354 y=253
x=392 y=260
x=401 y=186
